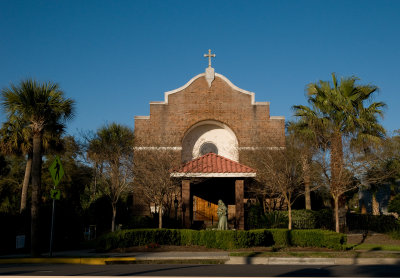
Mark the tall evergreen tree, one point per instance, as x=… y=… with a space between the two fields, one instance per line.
x=111 y=149
x=338 y=110
x=41 y=105
x=16 y=139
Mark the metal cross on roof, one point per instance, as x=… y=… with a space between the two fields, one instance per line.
x=209 y=55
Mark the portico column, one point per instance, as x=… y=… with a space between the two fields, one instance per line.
x=239 y=195
x=186 y=203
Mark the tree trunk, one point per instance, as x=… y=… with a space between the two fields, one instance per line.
x=114 y=191
x=160 y=216
x=337 y=227
x=375 y=205
x=289 y=216
x=114 y=214
x=95 y=181
x=307 y=180
x=36 y=183
x=25 y=184
x=336 y=162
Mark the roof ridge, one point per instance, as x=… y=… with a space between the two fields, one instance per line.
x=213 y=163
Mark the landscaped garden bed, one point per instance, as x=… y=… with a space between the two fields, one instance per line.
x=226 y=240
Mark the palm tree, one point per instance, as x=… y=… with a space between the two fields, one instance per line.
x=337 y=109
x=111 y=149
x=16 y=139
x=41 y=105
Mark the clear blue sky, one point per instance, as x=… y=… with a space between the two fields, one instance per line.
x=114 y=57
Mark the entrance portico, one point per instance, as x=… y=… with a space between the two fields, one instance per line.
x=206 y=180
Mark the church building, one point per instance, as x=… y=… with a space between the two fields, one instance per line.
x=208 y=123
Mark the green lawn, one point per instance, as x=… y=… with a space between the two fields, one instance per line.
x=344 y=254
x=374 y=247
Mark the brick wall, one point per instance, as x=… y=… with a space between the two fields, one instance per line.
x=168 y=122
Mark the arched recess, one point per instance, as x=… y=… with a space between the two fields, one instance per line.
x=209 y=136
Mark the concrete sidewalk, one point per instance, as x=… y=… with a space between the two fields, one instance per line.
x=312 y=261
x=91 y=257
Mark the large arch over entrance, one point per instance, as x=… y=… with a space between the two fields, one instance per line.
x=209 y=136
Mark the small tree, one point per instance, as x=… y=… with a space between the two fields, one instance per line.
x=306 y=142
x=152 y=170
x=279 y=170
x=111 y=150
x=382 y=163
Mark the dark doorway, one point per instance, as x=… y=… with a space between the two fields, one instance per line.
x=205 y=195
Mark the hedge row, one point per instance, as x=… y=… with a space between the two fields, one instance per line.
x=376 y=223
x=301 y=219
x=222 y=239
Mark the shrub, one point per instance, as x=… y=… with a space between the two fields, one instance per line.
x=394 y=205
x=280 y=237
x=366 y=222
x=189 y=237
x=222 y=239
x=276 y=219
x=301 y=219
x=244 y=239
x=138 y=237
x=317 y=238
x=324 y=219
x=254 y=219
x=140 y=222
x=395 y=234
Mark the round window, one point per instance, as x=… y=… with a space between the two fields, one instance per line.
x=208 y=148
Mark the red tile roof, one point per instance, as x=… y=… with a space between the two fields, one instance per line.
x=213 y=163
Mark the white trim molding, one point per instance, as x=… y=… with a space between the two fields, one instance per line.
x=251 y=94
x=261 y=148
x=180 y=148
x=157 y=148
x=142 y=117
x=168 y=93
x=212 y=175
x=277 y=117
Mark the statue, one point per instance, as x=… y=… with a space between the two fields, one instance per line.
x=222 y=216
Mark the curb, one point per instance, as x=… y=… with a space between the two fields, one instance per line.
x=87 y=261
x=228 y=260
x=312 y=261
x=169 y=258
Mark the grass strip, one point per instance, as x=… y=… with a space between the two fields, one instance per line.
x=346 y=254
x=373 y=247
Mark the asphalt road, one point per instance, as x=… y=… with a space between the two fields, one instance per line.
x=201 y=270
